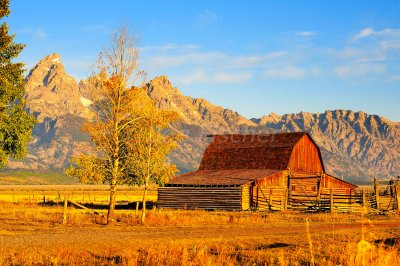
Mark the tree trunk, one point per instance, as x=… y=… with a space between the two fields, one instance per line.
x=115 y=159
x=111 y=206
x=144 y=204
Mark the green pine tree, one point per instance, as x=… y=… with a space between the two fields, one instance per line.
x=15 y=124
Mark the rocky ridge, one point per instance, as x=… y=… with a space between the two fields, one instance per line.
x=353 y=143
x=54 y=98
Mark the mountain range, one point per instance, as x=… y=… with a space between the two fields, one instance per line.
x=354 y=145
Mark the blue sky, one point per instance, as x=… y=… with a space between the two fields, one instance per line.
x=254 y=57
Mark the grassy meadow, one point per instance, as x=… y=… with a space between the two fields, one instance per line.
x=86 y=194
x=32 y=233
x=35 y=178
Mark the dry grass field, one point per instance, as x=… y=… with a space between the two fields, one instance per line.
x=32 y=234
x=96 y=194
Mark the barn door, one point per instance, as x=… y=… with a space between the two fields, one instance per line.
x=304 y=192
x=270 y=199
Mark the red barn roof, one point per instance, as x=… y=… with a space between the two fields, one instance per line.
x=270 y=151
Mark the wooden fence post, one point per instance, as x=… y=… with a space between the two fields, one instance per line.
x=376 y=189
x=397 y=196
x=65 y=210
x=289 y=189
x=364 y=200
x=318 y=190
x=285 y=200
x=137 y=208
x=331 y=201
x=350 y=196
x=270 y=199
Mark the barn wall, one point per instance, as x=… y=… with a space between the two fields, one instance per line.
x=332 y=182
x=246 y=196
x=276 y=180
x=205 y=198
x=306 y=186
x=305 y=157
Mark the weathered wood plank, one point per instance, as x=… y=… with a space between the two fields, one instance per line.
x=207 y=198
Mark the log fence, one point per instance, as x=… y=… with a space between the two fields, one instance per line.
x=307 y=196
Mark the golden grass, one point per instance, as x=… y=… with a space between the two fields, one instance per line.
x=31 y=234
x=79 y=193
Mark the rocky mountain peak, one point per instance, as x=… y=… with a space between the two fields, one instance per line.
x=194 y=110
x=161 y=88
x=51 y=92
x=45 y=71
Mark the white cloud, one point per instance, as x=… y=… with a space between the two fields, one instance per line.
x=359 y=70
x=80 y=65
x=169 y=47
x=285 y=72
x=201 y=76
x=80 y=68
x=390 y=44
x=370 y=32
x=197 y=76
x=395 y=78
x=347 y=53
x=364 y=33
x=306 y=33
x=207 y=17
x=235 y=77
x=316 y=71
x=171 y=61
x=245 y=61
x=362 y=54
x=171 y=56
x=37 y=33
x=371 y=57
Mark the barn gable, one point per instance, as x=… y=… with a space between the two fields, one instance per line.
x=306 y=157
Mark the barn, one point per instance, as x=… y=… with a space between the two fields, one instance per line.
x=250 y=172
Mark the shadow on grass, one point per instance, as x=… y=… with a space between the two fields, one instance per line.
x=272 y=246
x=388 y=241
x=104 y=206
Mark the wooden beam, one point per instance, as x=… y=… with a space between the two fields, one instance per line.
x=78 y=205
x=364 y=200
x=289 y=194
x=318 y=189
x=376 y=189
x=397 y=196
x=65 y=210
x=285 y=199
x=270 y=199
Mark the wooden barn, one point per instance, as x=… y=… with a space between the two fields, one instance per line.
x=249 y=172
